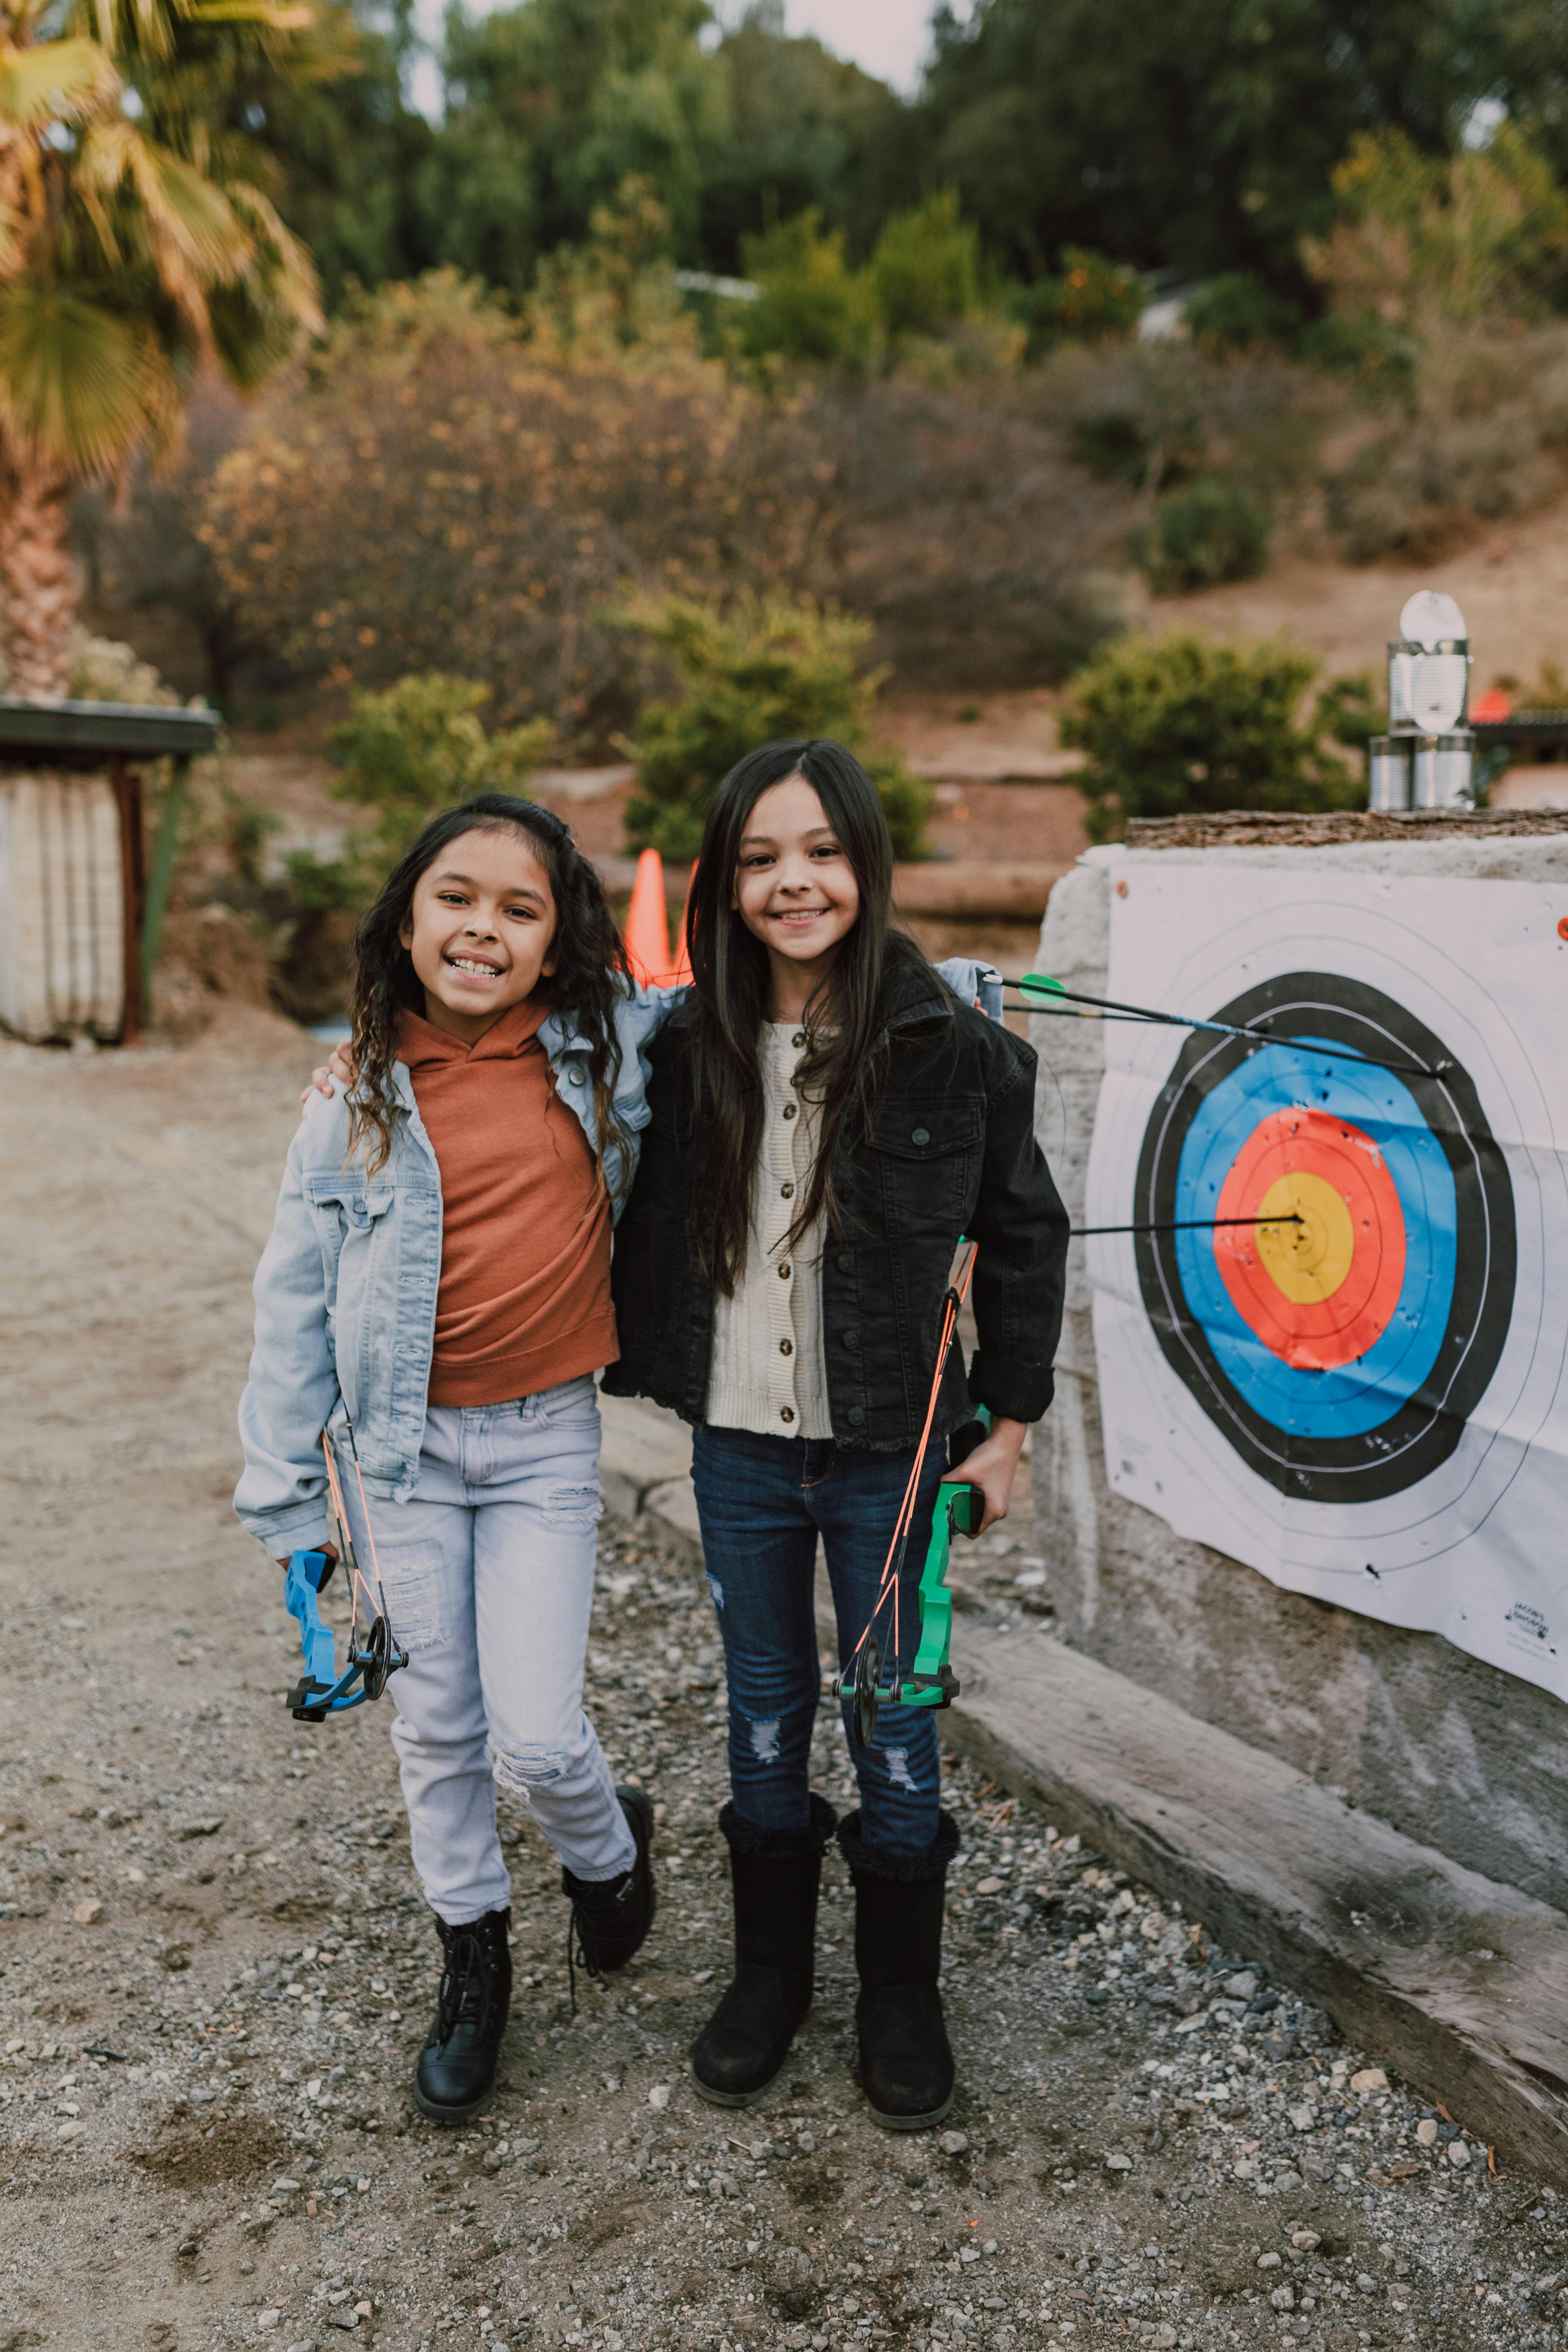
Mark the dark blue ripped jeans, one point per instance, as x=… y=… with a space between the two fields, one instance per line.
x=762 y=1502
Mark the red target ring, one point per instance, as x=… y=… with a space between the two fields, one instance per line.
x=1320 y=1294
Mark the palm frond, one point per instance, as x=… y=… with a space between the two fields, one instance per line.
x=189 y=229
x=79 y=386
x=59 y=82
x=290 y=273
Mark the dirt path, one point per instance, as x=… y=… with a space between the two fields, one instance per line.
x=216 y=1968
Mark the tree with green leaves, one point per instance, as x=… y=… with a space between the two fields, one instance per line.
x=807 y=131
x=139 y=245
x=1200 y=133
x=551 y=106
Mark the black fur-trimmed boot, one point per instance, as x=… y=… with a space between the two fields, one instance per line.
x=456 y=2075
x=611 y=1917
x=774 y=1878
x=906 y=2059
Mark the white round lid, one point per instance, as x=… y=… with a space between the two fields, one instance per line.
x=1430 y=615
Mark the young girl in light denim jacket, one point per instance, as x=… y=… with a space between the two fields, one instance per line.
x=438 y=1270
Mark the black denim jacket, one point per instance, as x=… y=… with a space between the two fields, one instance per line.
x=950 y=1151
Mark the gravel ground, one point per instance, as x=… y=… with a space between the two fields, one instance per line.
x=216 y=1968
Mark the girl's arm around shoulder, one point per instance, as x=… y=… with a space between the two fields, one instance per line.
x=1021 y=1230
x=293 y=1384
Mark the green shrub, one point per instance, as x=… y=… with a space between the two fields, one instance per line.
x=406 y=753
x=925 y=271
x=1177 y=723
x=1114 y=445
x=1237 y=312
x=1199 y=537
x=812 y=306
x=764 y=668
x=1092 y=298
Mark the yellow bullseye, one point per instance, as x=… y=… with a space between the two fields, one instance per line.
x=1307 y=1262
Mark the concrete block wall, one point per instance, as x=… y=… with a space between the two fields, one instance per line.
x=1454 y=1753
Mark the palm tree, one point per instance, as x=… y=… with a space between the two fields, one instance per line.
x=138 y=246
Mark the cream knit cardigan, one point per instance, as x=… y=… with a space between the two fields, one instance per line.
x=769 y=1372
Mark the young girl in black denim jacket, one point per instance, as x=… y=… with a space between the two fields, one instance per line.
x=827 y=1120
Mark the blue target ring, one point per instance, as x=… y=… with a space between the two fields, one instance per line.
x=1362 y=1396
x=1384 y=1412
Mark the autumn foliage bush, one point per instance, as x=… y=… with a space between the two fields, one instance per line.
x=452 y=488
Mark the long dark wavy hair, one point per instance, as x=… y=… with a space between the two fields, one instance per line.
x=590 y=963
x=730 y=972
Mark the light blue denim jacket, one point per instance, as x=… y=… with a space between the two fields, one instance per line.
x=345 y=1292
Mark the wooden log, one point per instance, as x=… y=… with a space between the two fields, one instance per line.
x=975 y=892
x=1458 y=1982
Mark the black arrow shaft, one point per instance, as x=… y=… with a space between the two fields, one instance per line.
x=1109 y=1009
x=1184 y=1225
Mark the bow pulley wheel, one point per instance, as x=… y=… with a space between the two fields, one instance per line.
x=868 y=1676
x=374 y=1660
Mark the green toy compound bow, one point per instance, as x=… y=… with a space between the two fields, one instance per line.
x=960 y=1508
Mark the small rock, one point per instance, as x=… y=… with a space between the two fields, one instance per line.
x=1119 y=2164
x=1284 y=2182
x=806 y=2142
x=1427 y=2131
x=1268 y=2261
x=1303 y=2117
x=954 y=2143
x=285 y=2189
x=1460 y=2153
x=658 y=2097
x=188 y=2246
x=1305 y=2241
x=208 y=1825
x=1242 y=1987
x=1283 y=2299
x=969 y=2253
x=991 y=1886
x=1371 y=2078
x=86 y=1912
x=268 y=2318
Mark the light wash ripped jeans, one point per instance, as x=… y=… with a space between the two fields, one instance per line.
x=488 y=1573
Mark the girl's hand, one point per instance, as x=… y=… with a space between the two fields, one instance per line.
x=341 y=1066
x=331 y=1550
x=993 y=1467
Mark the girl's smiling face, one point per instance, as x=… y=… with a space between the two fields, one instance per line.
x=795 y=889
x=480 y=930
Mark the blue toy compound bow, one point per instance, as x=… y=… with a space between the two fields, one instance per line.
x=321 y=1690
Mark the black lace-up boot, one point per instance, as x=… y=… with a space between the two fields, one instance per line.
x=906 y=2060
x=611 y=1917
x=774 y=1878
x=456 y=2075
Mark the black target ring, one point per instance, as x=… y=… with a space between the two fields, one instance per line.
x=1421 y=1429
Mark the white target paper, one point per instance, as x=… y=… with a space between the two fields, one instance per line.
x=1389 y=1429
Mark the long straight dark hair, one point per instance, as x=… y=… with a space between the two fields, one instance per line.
x=590 y=962
x=730 y=972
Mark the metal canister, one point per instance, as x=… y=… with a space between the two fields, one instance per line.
x=1440 y=687
x=1404 y=654
x=1443 y=771
x=1388 y=772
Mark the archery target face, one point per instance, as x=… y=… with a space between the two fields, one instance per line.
x=1357 y=1386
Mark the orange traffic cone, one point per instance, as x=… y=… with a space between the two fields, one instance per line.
x=680 y=975
x=647 y=923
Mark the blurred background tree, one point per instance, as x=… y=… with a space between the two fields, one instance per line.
x=139 y=246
